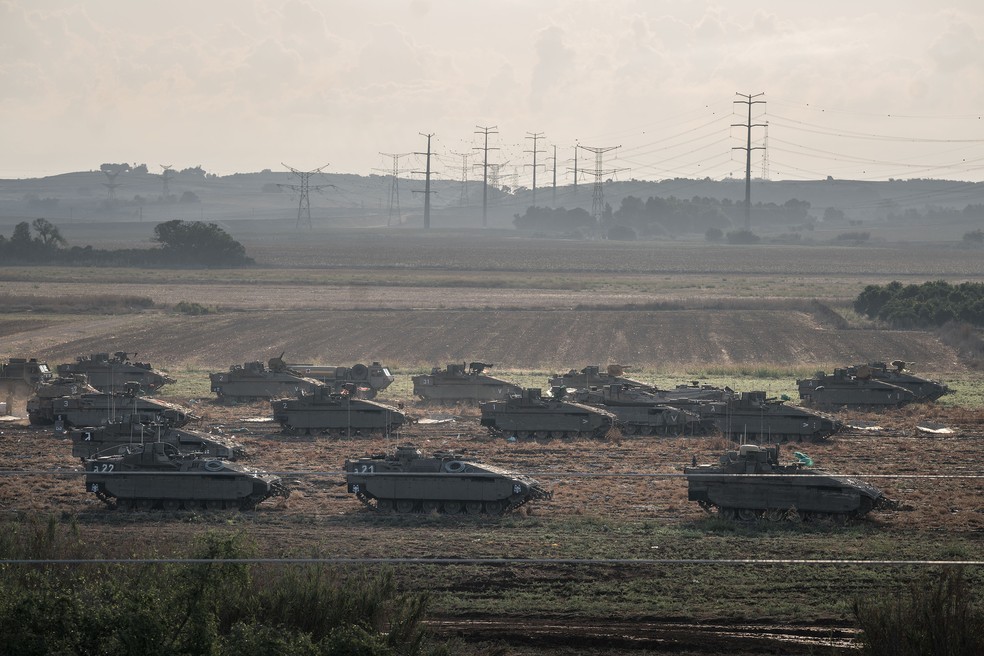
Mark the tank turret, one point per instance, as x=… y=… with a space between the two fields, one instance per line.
x=86 y=408
x=844 y=389
x=641 y=412
x=406 y=481
x=531 y=414
x=457 y=384
x=753 y=416
x=323 y=411
x=109 y=373
x=368 y=379
x=118 y=437
x=593 y=376
x=252 y=381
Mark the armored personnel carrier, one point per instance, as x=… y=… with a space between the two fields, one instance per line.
x=155 y=476
x=97 y=408
x=639 y=411
x=592 y=376
x=750 y=483
x=117 y=437
x=843 y=389
x=530 y=414
x=407 y=482
x=110 y=373
x=340 y=414
x=369 y=379
x=252 y=381
x=924 y=388
x=752 y=416
x=457 y=384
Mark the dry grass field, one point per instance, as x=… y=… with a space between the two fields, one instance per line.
x=414 y=301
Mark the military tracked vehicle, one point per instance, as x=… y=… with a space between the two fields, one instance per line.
x=752 y=416
x=155 y=476
x=531 y=414
x=457 y=384
x=110 y=373
x=98 y=408
x=19 y=379
x=639 y=411
x=923 y=388
x=117 y=437
x=339 y=414
x=750 y=483
x=693 y=391
x=252 y=381
x=369 y=379
x=592 y=376
x=842 y=389
x=407 y=482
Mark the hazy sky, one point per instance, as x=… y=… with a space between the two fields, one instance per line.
x=863 y=89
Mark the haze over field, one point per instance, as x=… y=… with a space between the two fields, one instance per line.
x=866 y=91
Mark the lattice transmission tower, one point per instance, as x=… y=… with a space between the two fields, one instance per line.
x=598 y=193
x=304 y=188
x=394 y=190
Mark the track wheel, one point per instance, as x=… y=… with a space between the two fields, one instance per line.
x=452 y=507
x=429 y=506
x=747 y=515
x=384 y=505
x=404 y=506
x=494 y=507
x=171 y=504
x=473 y=507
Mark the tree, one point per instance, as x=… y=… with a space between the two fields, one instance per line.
x=200 y=243
x=48 y=233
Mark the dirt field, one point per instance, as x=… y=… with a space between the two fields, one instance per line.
x=661 y=310
x=620 y=499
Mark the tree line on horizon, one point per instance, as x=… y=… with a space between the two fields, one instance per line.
x=182 y=243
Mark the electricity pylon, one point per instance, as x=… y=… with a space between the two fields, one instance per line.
x=304 y=190
x=748 y=100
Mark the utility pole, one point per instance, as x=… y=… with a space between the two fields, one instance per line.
x=485 y=130
x=394 y=195
x=535 y=136
x=304 y=190
x=575 y=170
x=765 y=153
x=748 y=100
x=553 y=202
x=427 y=182
x=464 y=176
x=598 y=196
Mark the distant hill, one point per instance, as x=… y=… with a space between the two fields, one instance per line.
x=346 y=200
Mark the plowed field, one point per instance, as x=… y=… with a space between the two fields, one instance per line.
x=414 y=302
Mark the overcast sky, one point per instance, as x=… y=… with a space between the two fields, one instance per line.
x=863 y=90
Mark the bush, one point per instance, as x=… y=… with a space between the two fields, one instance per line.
x=206 y=608
x=935 y=616
x=743 y=237
x=193 y=309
